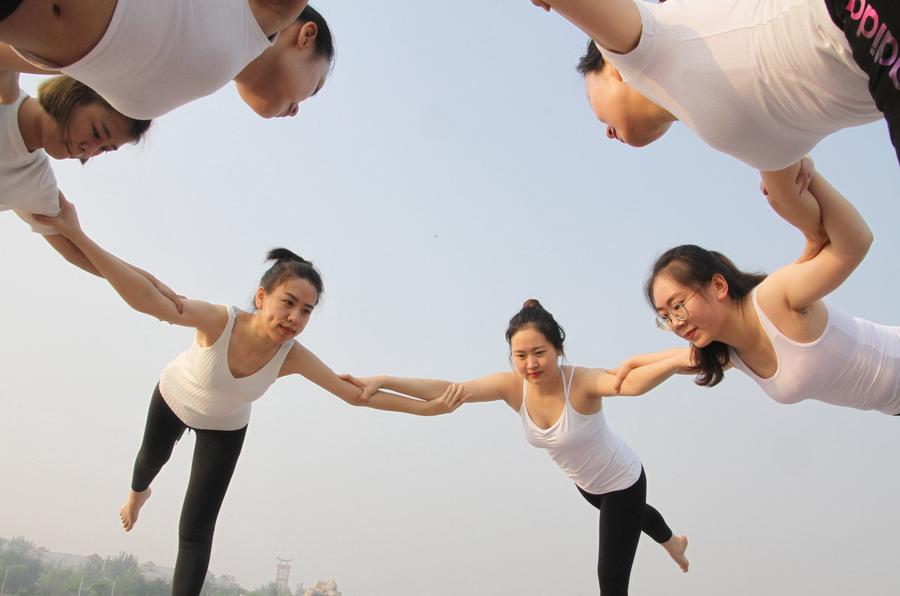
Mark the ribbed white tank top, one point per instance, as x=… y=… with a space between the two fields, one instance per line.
x=854 y=363
x=159 y=54
x=199 y=388
x=584 y=446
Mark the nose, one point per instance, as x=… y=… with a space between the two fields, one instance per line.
x=610 y=132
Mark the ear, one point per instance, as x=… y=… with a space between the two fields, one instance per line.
x=259 y=298
x=306 y=37
x=720 y=286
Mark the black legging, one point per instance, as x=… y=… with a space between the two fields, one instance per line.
x=215 y=456
x=623 y=515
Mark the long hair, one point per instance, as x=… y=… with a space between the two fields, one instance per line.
x=694 y=267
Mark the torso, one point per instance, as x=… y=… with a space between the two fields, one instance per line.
x=762 y=80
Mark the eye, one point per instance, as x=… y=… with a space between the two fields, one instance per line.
x=307 y=312
x=96 y=134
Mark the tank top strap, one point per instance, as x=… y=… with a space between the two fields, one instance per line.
x=567 y=385
x=764 y=320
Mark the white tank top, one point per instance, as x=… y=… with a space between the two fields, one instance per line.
x=159 y=54
x=199 y=388
x=762 y=80
x=584 y=446
x=854 y=363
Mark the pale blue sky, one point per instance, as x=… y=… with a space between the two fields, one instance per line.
x=449 y=170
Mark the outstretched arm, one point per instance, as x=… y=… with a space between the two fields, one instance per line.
x=614 y=24
x=499 y=386
x=303 y=362
x=802 y=284
x=640 y=374
x=138 y=288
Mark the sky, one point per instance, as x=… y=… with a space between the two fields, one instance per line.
x=449 y=170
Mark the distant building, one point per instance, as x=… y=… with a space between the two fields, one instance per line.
x=325 y=588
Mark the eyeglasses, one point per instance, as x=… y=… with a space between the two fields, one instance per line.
x=679 y=312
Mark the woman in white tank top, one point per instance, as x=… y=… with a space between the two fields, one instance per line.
x=209 y=388
x=561 y=411
x=776 y=328
x=147 y=58
x=67 y=120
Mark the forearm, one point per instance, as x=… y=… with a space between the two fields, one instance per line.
x=847 y=230
x=801 y=211
x=391 y=402
x=614 y=24
x=644 y=378
x=425 y=389
x=135 y=289
x=71 y=253
x=653 y=357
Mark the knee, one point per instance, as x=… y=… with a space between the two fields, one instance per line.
x=194 y=532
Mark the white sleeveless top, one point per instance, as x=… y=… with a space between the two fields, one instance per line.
x=854 y=363
x=159 y=54
x=762 y=80
x=27 y=183
x=199 y=388
x=584 y=446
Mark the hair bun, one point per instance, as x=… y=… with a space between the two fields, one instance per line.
x=283 y=254
x=532 y=303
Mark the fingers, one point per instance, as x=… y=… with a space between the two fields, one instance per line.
x=541 y=4
x=353 y=380
x=454 y=396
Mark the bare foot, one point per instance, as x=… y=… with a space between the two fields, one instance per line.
x=129 y=512
x=675 y=546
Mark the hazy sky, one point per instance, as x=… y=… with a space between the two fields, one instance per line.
x=449 y=170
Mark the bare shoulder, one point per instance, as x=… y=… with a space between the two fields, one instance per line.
x=209 y=320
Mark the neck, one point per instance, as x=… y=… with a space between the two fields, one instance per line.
x=741 y=328
x=551 y=387
x=33 y=121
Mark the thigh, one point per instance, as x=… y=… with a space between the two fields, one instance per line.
x=215 y=456
x=162 y=429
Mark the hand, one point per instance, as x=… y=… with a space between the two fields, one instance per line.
x=66 y=223
x=453 y=397
x=688 y=362
x=814 y=245
x=168 y=293
x=369 y=385
x=622 y=371
x=541 y=4
x=805 y=175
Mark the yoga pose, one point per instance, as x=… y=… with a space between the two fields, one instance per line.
x=210 y=387
x=561 y=411
x=762 y=80
x=776 y=328
x=147 y=58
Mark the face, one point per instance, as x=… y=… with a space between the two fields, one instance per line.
x=293 y=73
x=533 y=356
x=285 y=311
x=703 y=307
x=627 y=114
x=93 y=130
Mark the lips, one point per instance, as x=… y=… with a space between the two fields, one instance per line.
x=690 y=334
x=286 y=330
x=534 y=375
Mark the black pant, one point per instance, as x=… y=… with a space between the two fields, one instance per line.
x=215 y=456
x=623 y=515
x=873 y=29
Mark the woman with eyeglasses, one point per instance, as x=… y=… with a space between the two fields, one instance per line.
x=776 y=328
x=561 y=408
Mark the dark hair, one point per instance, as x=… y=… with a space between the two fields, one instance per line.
x=324 y=40
x=693 y=266
x=592 y=61
x=534 y=315
x=288 y=264
x=61 y=96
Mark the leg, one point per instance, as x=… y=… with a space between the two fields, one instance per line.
x=215 y=456
x=161 y=432
x=621 y=521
